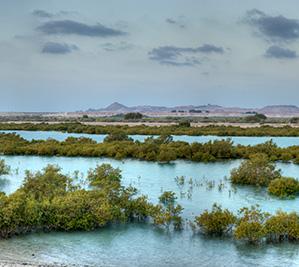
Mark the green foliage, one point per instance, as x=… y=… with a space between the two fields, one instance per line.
x=168 y=198
x=168 y=213
x=294 y=120
x=162 y=148
x=80 y=210
x=217 y=222
x=166 y=155
x=46 y=184
x=219 y=130
x=117 y=136
x=258 y=170
x=282 y=226
x=4 y=169
x=162 y=139
x=106 y=178
x=48 y=200
x=133 y=116
x=185 y=123
x=250 y=226
x=284 y=187
x=256 y=118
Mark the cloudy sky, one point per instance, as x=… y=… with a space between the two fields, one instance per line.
x=59 y=55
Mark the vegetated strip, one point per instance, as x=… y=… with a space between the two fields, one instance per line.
x=162 y=149
x=155 y=130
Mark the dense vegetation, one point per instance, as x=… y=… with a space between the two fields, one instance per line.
x=162 y=149
x=217 y=222
x=182 y=128
x=251 y=225
x=49 y=200
x=117 y=136
x=260 y=171
x=284 y=187
x=256 y=118
x=133 y=116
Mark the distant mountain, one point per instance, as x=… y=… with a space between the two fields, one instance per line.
x=208 y=107
x=116 y=107
x=274 y=110
x=280 y=109
x=148 y=108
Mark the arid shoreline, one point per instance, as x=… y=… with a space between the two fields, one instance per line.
x=159 y=124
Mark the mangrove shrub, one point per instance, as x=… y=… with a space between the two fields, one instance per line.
x=283 y=187
x=258 y=170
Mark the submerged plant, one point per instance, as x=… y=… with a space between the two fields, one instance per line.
x=284 y=187
x=258 y=170
x=218 y=221
x=4 y=169
x=168 y=212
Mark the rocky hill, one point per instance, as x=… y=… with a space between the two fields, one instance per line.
x=274 y=110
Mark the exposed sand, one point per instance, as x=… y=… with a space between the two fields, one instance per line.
x=159 y=124
x=197 y=124
x=30 y=264
x=22 y=264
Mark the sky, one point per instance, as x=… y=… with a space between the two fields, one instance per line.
x=59 y=55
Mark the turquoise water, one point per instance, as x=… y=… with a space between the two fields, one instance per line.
x=144 y=245
x=139 y=245
x=242 y=140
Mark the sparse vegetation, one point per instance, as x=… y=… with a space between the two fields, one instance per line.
x=117 y=136
x=168 y=212
x=4 y=169
x=251 y=225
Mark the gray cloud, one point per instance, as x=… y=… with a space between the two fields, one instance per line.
x=178 y=22
x=273 y=28
x=58 y=48
x=171 y=21
x=280 y=52
x=112 y=47
x=78 y=28
x=47 y=15
x=42 y=13
x=178 y=56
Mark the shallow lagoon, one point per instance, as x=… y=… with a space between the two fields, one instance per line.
x=242 y=140
x=143 y=245
x=152 y=178
x=139 y=245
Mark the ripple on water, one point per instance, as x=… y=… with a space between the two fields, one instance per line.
x=143 y=245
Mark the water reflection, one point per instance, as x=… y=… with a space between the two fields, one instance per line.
x=243 y=140
x=3 y=183
x=198 y=186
